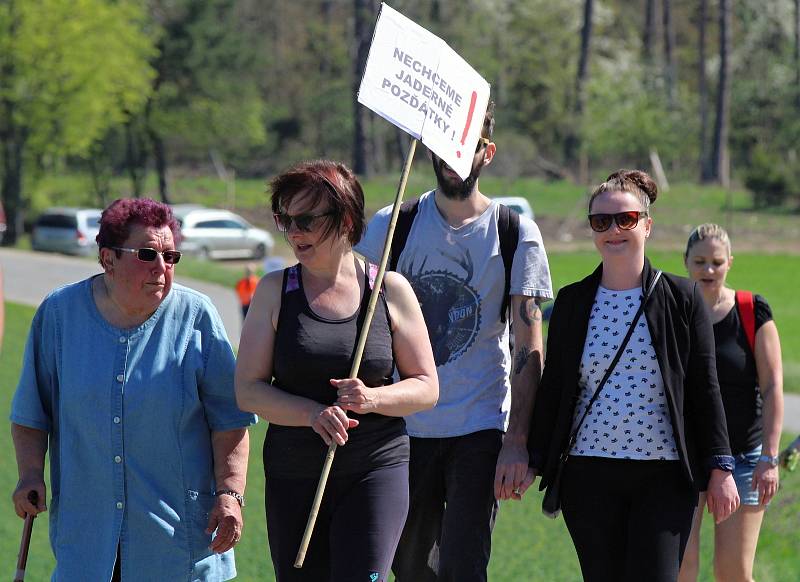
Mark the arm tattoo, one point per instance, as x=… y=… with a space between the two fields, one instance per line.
x=529 y=311
x=521 y=358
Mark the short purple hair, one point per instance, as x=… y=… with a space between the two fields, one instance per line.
x=121 y=215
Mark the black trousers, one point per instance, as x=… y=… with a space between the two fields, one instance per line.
x=629 y=520
x=357 y=528
x=448 y=533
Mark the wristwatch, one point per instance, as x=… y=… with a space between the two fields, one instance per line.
x=237 y=496
x=773 y=461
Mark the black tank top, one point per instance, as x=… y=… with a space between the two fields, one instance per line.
x=738 y=377
x=309 y=351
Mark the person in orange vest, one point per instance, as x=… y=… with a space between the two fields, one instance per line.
x=246 y=287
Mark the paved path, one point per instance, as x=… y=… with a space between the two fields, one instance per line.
x=30 y=276
x=791 y=413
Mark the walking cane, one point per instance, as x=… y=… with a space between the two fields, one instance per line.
x=362 y=340
x=27 y=529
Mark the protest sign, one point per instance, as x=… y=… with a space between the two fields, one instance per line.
x=417 y=82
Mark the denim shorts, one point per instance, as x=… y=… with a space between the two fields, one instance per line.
x=743 y=466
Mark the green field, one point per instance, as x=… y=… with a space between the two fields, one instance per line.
x=527 y=546
x=769 y=275
x=559 y=206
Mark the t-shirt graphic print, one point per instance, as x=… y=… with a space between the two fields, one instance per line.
x=450 y=303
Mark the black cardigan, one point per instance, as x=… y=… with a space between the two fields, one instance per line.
x=683 y=339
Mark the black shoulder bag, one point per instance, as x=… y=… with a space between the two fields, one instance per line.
x=551 y=503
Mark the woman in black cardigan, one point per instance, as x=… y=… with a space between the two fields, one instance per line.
x=656 y=434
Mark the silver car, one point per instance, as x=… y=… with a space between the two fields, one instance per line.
x=219 y=234
x=67 y=230
x=517 y=203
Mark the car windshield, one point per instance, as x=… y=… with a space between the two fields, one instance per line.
x=93 y=222
x=57 y=221
x=223 y=223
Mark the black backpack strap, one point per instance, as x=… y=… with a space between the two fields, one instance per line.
x=405 y=219
x=508 y=232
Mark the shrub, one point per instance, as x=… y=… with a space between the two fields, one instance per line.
x=768 y=179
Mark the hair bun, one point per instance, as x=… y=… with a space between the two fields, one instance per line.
x=643 y=181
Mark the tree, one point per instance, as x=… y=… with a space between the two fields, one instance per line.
x=797 y=53
x=721 y=155
x=56 y=97
x=205 y=93
x=648 y=40
x=670 y=70
x=573 y=140
x=364 y=15
x=702 y=89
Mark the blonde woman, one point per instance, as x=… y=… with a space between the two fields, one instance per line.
x=751 y=382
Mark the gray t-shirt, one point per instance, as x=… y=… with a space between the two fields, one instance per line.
x=458 y=276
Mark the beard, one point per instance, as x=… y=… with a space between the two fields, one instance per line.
x=454 y=187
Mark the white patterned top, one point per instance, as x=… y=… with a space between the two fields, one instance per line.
x=630 y=419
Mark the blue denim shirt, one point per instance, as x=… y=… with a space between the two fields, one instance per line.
x=129 y=414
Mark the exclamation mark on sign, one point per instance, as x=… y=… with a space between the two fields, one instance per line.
x=469 y=120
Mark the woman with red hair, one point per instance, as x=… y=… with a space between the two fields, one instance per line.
x=295 y=356
x=128 y=377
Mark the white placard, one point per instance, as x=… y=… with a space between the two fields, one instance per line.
x=416 y=81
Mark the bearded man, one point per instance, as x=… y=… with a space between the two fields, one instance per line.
x=470 y=450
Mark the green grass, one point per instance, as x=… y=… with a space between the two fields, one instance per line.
x=526 y=545
x=217 y=272
x=676 y=212
x=768 y=275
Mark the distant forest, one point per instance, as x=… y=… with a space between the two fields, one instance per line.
x=124 y=87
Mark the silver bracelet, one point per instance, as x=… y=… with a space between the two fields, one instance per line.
x=237 y=496
x=773 y=461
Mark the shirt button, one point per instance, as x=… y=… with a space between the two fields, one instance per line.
x=119 y=504
x=120 y=378
x=123 y=339
x=117 y=459
x=116 y=420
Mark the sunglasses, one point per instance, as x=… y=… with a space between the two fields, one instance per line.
x=304 y=222
x=147 y=255
x=625 y=220
x=482 y=142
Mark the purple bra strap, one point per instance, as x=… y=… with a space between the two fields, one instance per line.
x=292 y=279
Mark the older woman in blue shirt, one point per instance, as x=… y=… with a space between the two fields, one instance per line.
x=129 y=379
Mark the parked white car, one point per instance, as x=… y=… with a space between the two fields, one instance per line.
x=219 y=234
x=67 y=230
x=517 y=203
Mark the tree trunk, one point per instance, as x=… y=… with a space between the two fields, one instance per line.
x=702 y=88
x=436 y=12
x=160 y=157
x=797 y=52
x=364 y=14
x=135 y=158
x=12 y=141
x=100 y=173
x=670 y=71
x=401 y=145
x=574 y=140
x=648 y=39
x=721 y=159
x=326 y=15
